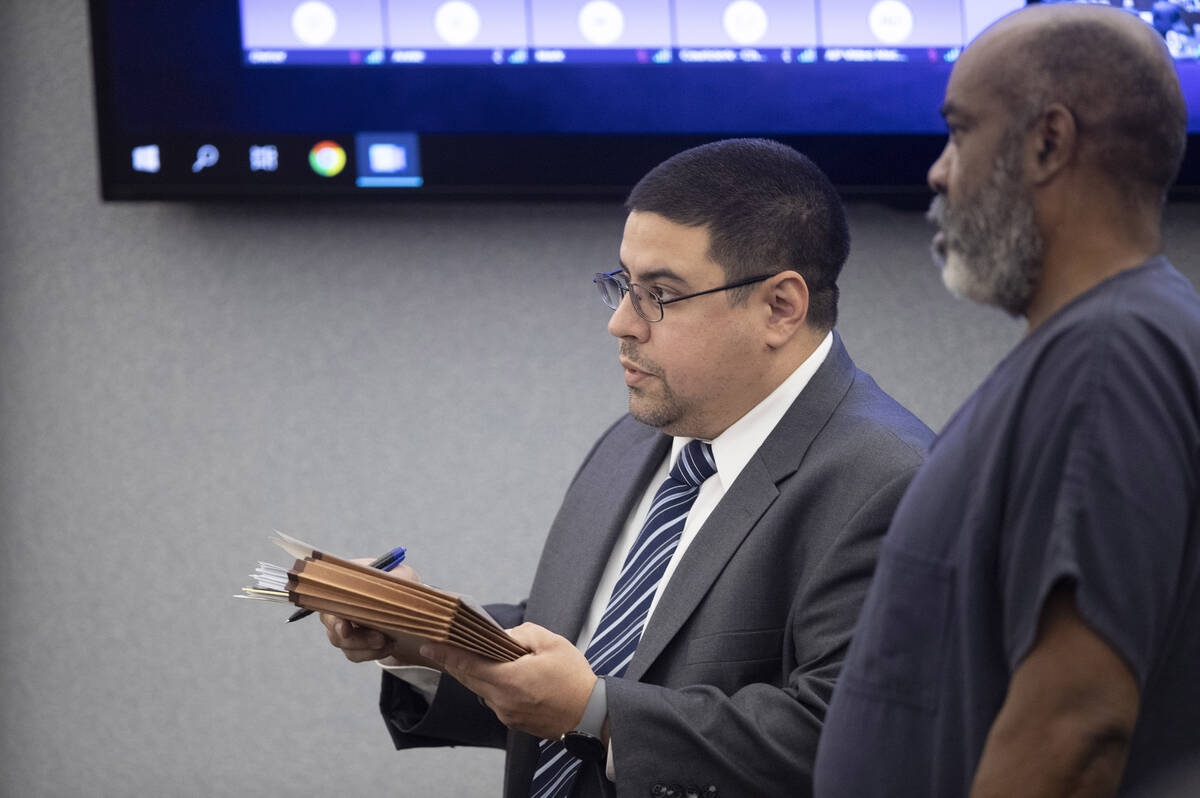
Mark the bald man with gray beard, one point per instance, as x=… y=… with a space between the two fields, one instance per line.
x=1033 y=627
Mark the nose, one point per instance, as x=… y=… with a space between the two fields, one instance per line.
x=626 y=323
x=939 y=171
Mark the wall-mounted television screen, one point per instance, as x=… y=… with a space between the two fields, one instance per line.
x=202 y=98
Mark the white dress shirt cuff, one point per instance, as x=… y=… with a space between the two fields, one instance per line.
x=423 y=680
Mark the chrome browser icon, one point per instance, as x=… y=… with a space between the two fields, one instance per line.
x=327 y=158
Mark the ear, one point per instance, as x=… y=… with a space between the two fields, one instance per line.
x=786 y=299
x=1052 y=144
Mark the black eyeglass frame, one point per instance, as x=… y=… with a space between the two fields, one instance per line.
x=625 y=287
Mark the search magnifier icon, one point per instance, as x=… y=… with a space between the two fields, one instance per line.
x=206 y=156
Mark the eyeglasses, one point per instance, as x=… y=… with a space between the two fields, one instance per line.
x=615 y=285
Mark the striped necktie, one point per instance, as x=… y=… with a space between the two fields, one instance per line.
x=620 y=628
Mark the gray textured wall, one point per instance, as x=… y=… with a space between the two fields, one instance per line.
x=177 y=380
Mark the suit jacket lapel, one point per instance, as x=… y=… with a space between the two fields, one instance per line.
x=574 y=559
x=744 y=502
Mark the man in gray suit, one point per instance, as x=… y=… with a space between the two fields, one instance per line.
x=686 y=638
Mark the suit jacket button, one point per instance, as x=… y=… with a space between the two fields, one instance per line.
x=658 y=790
x=710 y=791
x=674 y=791
x=691 y=792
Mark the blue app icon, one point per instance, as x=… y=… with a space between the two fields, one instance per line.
x=388 y=160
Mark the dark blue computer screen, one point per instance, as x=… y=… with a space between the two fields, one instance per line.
x=524 y=96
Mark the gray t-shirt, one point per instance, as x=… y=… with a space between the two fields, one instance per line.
x=1075 y=462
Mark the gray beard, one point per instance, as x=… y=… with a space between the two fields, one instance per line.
x=992 y=250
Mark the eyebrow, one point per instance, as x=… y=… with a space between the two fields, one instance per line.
x=662 y=273
x=949 y=109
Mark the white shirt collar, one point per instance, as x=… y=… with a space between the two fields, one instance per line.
x=734 y=447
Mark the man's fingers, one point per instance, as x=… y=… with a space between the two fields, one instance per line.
x=357 y=643
x=355 y=636
x=467 y=668
x=361 y=654
x=436 y=653
x=532 y=636
x=405 y=572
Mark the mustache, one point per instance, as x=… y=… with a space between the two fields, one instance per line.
x=940 y=245
x=937 y=211
x=629 y=352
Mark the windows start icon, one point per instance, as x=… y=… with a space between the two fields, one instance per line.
x=146 y=159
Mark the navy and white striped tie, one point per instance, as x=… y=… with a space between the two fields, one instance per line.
x=620 y=628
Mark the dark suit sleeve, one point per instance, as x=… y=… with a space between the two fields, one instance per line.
x=762 y=739
x=456 y=717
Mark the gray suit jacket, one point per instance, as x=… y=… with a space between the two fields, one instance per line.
x=729 y=685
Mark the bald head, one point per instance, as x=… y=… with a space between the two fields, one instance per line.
x=1109 y=69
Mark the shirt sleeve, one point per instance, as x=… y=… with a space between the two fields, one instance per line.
x=1100 y=491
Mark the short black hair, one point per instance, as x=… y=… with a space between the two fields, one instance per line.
x=1127 y=103
x=767 y=208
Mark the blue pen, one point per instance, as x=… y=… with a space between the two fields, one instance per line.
x=384 y=562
